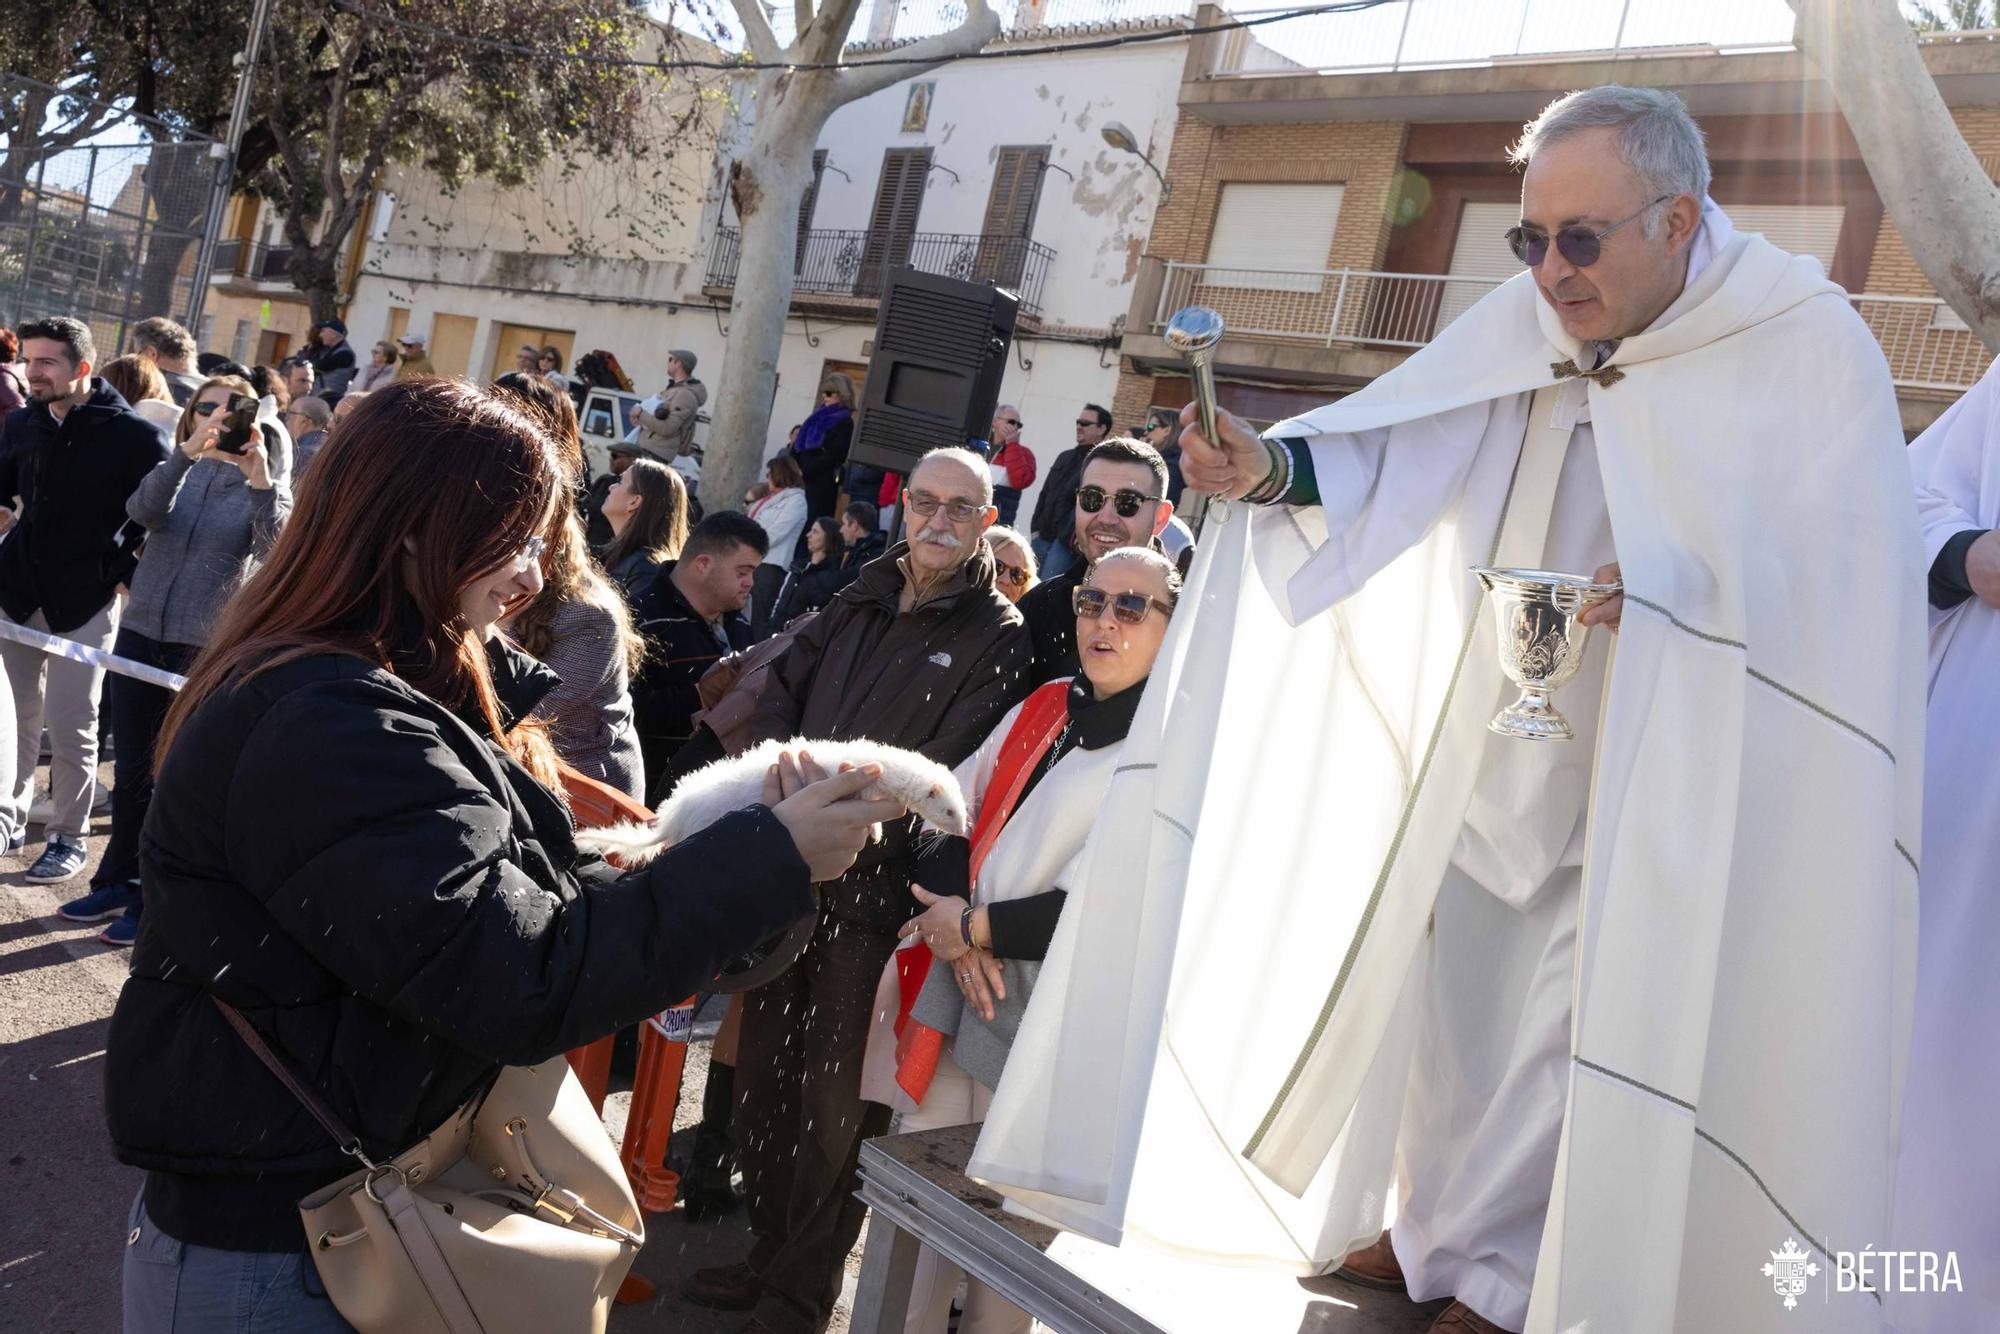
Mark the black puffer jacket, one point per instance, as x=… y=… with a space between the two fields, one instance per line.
x=73 y=544
x=399 y=908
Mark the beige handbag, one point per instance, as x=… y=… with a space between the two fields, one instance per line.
x=512 y=1216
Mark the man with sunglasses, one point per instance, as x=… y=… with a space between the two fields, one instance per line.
x=1121 y=502
x=1013 y=464
x=920 y=651
x=1534 y=981
x=1052 y=524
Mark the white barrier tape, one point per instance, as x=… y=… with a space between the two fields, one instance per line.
x=92 y=657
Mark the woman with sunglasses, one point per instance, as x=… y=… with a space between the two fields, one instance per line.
x=993 y=902
x=357 y=845
x=1013 y=561
x=820 y=447
x=206 y=513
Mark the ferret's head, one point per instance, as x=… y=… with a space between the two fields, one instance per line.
x=930 y=791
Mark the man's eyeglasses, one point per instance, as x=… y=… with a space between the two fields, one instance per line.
x=1017 y=575
x=1579 y=245
x=530 y=555
x=924 y=505
x=1091 y=499
x=1014 y=422
x=1130 y=608
x=1087 y=424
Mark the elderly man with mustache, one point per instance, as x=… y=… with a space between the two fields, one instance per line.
x=920 y=651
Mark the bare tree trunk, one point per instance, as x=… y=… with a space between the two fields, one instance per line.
x=1936 y=193
x=768 y=183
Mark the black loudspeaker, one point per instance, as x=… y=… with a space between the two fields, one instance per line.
x=934 y=377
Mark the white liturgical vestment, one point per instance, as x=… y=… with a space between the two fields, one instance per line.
x=1948 y=1177
x=1216 y=1055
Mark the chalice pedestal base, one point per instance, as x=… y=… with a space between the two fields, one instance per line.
x=1532 y=718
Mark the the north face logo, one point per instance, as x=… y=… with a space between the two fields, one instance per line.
x=941 y=659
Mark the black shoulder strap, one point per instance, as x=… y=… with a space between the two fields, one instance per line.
x=345 y=1138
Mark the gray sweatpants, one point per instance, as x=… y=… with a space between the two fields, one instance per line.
x=61 y=695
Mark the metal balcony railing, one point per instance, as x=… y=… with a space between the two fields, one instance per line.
x=858 y=263
x=1322 y=305
x=1927 y=346
x=237 y=258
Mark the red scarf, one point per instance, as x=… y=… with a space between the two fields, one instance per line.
x=1040 y=721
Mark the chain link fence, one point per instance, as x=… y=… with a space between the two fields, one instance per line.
x=102 y=212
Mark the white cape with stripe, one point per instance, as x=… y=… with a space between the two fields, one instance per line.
x=1215 y=1054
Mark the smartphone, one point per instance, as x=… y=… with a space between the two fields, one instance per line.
x=239 y=420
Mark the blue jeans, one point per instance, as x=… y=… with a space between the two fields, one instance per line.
x=174 y=1288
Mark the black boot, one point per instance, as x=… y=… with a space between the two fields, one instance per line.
x=706 y=1190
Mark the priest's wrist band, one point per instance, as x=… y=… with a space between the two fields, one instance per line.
x=965 y=928
x=1278 y=480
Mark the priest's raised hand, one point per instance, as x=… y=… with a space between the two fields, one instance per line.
x=1229 y=469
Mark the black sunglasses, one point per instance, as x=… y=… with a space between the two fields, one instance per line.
x=1579 y=245
x=1012 y=421
x=1016 y=575
x=208 y=407
x=1130 y=608
x=1127 y=503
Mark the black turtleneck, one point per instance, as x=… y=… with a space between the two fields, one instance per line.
x=1022 y=928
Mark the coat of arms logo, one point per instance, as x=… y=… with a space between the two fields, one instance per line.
x=1788 y=1271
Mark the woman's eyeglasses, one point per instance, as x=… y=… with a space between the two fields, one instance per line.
x=1579 y=245
x=530 y=555
x=923 y=505
x=1126 y=502
x=209 y=407
x=1130 y=608
x=1017 y=575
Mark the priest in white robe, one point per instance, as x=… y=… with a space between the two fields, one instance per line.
x=1948 y=1175
x=1623 y=1019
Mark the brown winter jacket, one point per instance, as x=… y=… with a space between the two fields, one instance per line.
x=935 y=679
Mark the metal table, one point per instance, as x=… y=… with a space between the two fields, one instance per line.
x=916 y=1188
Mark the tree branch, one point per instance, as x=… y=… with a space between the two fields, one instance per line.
x=864 y=77
x=836 y=21
x=802 y=18
x=757 y=31
x=1941 y=200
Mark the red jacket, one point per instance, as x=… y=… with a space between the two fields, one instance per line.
x=1019 y=463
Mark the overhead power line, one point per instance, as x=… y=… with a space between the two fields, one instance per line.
x=493 y=44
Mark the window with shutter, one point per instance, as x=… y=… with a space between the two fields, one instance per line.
x=806 y=207
x=898 y=198
x=1273 y=237
x=1010 y=214
x=1803 y=229
x=1480 y=255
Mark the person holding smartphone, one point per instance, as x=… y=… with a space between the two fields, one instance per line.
x=213 y=506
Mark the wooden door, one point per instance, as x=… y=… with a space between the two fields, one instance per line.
x=451 y=344
x=898 y=199
x=1010 y=214
x=511 y=336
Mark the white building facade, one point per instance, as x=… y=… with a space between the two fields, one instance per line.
x=995 y=169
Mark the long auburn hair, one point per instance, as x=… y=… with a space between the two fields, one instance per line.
x=568 y=572
x=427 y=485
x=660 y=528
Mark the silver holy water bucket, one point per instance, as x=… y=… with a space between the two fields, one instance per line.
x=1540 y=641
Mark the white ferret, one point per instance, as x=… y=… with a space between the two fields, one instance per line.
x=926 y=787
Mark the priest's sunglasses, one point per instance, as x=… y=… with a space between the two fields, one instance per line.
x=1125 y=501
x=1130 y=608
x=1577 y=244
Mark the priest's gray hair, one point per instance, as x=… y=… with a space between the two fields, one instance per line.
x=966 y=459
x=1656 y=136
